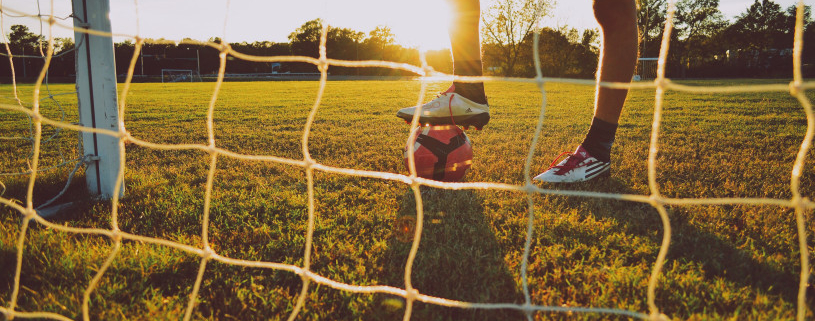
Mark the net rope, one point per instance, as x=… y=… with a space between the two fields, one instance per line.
x=661 y=84
x=77 y=160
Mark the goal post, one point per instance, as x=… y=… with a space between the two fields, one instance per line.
x=97 y=96
x=646 y=68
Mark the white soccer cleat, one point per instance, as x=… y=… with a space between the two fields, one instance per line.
x=449 y=108
x=579 y=166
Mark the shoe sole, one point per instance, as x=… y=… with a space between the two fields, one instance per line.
x=478 y=121
x=606 y=174
x=601 y=176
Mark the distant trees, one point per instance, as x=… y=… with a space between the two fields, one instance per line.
x=25 y=47
x=563 y=52
x=508 y=42
x=757 y=43
x=697 y=24
x=380 y=44
x=761 y=27
x=507 y=27
x=305 y=41
x=341 y=43
x=650 y=22
x=705 y=44
x=348 y=44
x=21 y=43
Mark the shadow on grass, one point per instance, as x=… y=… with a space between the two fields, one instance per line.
x=8 y=261
x=459 y=258
x=719 y=257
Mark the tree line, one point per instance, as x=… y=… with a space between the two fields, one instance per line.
x=757 y=43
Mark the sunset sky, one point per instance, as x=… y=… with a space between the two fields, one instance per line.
x=415 y=22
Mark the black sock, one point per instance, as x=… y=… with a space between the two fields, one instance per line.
x=470 y=90
x=599 y=139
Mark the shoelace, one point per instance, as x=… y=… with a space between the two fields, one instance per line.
x=570 y=161
x=452 y=93
x=450 y=108
x=450 y=105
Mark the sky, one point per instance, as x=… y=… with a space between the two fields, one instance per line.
x=419 y=23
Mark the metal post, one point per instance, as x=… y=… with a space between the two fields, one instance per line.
x=96 y=91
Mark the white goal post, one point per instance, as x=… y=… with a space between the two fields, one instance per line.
x=97 y=96
x=103 y=151
x=176 y=75
x=646 y=68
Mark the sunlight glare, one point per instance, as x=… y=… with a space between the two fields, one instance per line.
x=424 y=24
x=417 y=23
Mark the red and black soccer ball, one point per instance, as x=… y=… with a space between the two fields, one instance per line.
x=442 y=153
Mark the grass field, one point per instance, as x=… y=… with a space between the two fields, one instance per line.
x=725 y=262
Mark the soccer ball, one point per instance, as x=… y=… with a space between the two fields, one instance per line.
x=442 y=153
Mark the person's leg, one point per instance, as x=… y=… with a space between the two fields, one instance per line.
x=465 y=43
x=463 y=103
x=618 y=56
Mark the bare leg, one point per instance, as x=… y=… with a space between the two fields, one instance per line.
x=466 y=47
x=464 y=103
x=618 y=19
x=618 y=54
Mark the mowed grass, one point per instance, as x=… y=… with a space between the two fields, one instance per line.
x=725 y=262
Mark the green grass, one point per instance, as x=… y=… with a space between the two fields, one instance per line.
x=725 y=262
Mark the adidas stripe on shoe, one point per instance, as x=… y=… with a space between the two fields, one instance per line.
x=579 y=166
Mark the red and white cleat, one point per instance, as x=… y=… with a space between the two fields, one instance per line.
x=579 y=166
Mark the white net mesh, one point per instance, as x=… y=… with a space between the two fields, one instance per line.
x=61 y=151
x=411 y=294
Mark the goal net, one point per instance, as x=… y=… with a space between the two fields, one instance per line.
x=216 y=165
x=646 y=69
x=176 y=75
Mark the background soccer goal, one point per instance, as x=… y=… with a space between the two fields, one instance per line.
x=177 y=75
x=646 y=68
x=318 y=184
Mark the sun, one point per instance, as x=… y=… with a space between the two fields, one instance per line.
x=423 y=24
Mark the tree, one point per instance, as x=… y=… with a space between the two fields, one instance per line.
x=697 y=22
x=379 y=45
x=756 y=28
x=650 y=22
x=789 y=23
x=506 y=24
x=341 y=43
x=305 y=40
x=760 y=41
x=22 y=40
x=808 y=54
x=380 y=37
x=699 y=17
x=563 y=52
x=63 y=44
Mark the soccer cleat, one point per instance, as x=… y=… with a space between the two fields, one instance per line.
x=579 y=166
x=449 y=108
